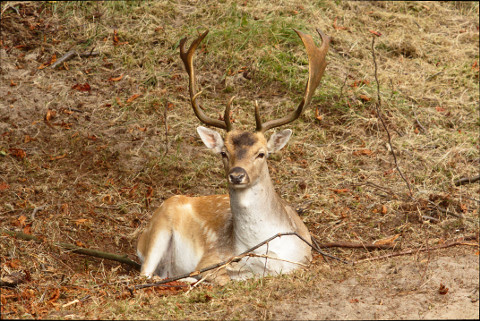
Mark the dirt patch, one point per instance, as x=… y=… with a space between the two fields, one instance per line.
x=401 y=289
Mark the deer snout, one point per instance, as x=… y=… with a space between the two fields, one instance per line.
x=237 y=176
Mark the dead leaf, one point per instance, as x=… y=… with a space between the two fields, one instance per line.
x=52 y=158
x=107 y=199
x=367 y=152
x=80 y=221
x=17 y=153
x=4 y=186
x=317 y=114
x=52 y=60
x=119 y=103
x=336 y=27
x=115 y=38
x=440 y=109
x=443 y=289
x=116 y=78
x=54 y=296
x=384 y=209
x=340 y=190
x=79 y=244
x=50 y=114
x=132 y=98
x=28 y=229
x=28 y=139
x=12 y=84
x=116 y=41
x=80 y=87
x=365 y=98
x=21 y=220
x=387 y=241
x=376 y=33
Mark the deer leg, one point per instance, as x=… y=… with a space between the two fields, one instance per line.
x=219 y=276
x=158 y=258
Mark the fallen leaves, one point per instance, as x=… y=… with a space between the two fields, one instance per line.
x=85 y=87
x=4 y=186
x=337 y=27
x=116 y=41
x=442 y=289
x=132 y=98
x=376 y=33
x=387 y=241
x=112 y=79
x=18 y=153
x=50 y=62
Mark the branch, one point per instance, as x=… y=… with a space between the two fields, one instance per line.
x=377 y=107
x=426 y=249
x=352 y=245
x=466 y=180
x=76 y=249
x=72 y=53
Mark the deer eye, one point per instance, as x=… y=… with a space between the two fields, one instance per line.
x=261 y=155
x=224 y=155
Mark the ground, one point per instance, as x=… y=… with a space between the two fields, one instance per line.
x=89 y=148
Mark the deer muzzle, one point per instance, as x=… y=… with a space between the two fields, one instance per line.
x=238 y=176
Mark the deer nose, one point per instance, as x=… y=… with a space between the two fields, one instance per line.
x=237 y=175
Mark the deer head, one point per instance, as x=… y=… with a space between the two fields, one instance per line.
x=244 y=153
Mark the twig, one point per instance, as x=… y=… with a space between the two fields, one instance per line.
x=466 y=180
x=36 y=209
x=79 y=250
x=417 y=121
x=166 y=126
x=407 y=252
x=352 y=245
x=377 y=107
x=72 y=53
x=343 y=85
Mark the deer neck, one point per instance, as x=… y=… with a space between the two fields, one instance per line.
x=257 y=212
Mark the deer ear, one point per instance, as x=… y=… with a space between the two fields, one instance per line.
x=278 y=140
x=210 y=138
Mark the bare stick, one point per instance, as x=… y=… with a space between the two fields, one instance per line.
x=70 y=54
x=166 y=126
x=443 y=246
x=377 y=106
x=351 y=245
x=79 y=250
x=466 y=180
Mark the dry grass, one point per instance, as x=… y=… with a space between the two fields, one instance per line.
x=94 y=165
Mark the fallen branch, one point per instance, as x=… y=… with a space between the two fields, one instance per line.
x=352 y=245
x=76 y=249
x=70 y=54
x=466 y=180
x=426 y=249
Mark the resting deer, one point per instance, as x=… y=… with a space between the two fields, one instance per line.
x=190 y=233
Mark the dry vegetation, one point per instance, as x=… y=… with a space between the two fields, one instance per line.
x=87 y=151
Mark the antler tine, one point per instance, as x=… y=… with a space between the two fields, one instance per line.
x=187 y=58
x=316 y=67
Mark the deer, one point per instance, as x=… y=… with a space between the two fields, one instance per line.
x=187 y=234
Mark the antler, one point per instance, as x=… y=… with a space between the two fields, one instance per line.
x=316 y=67
x=187 y=58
